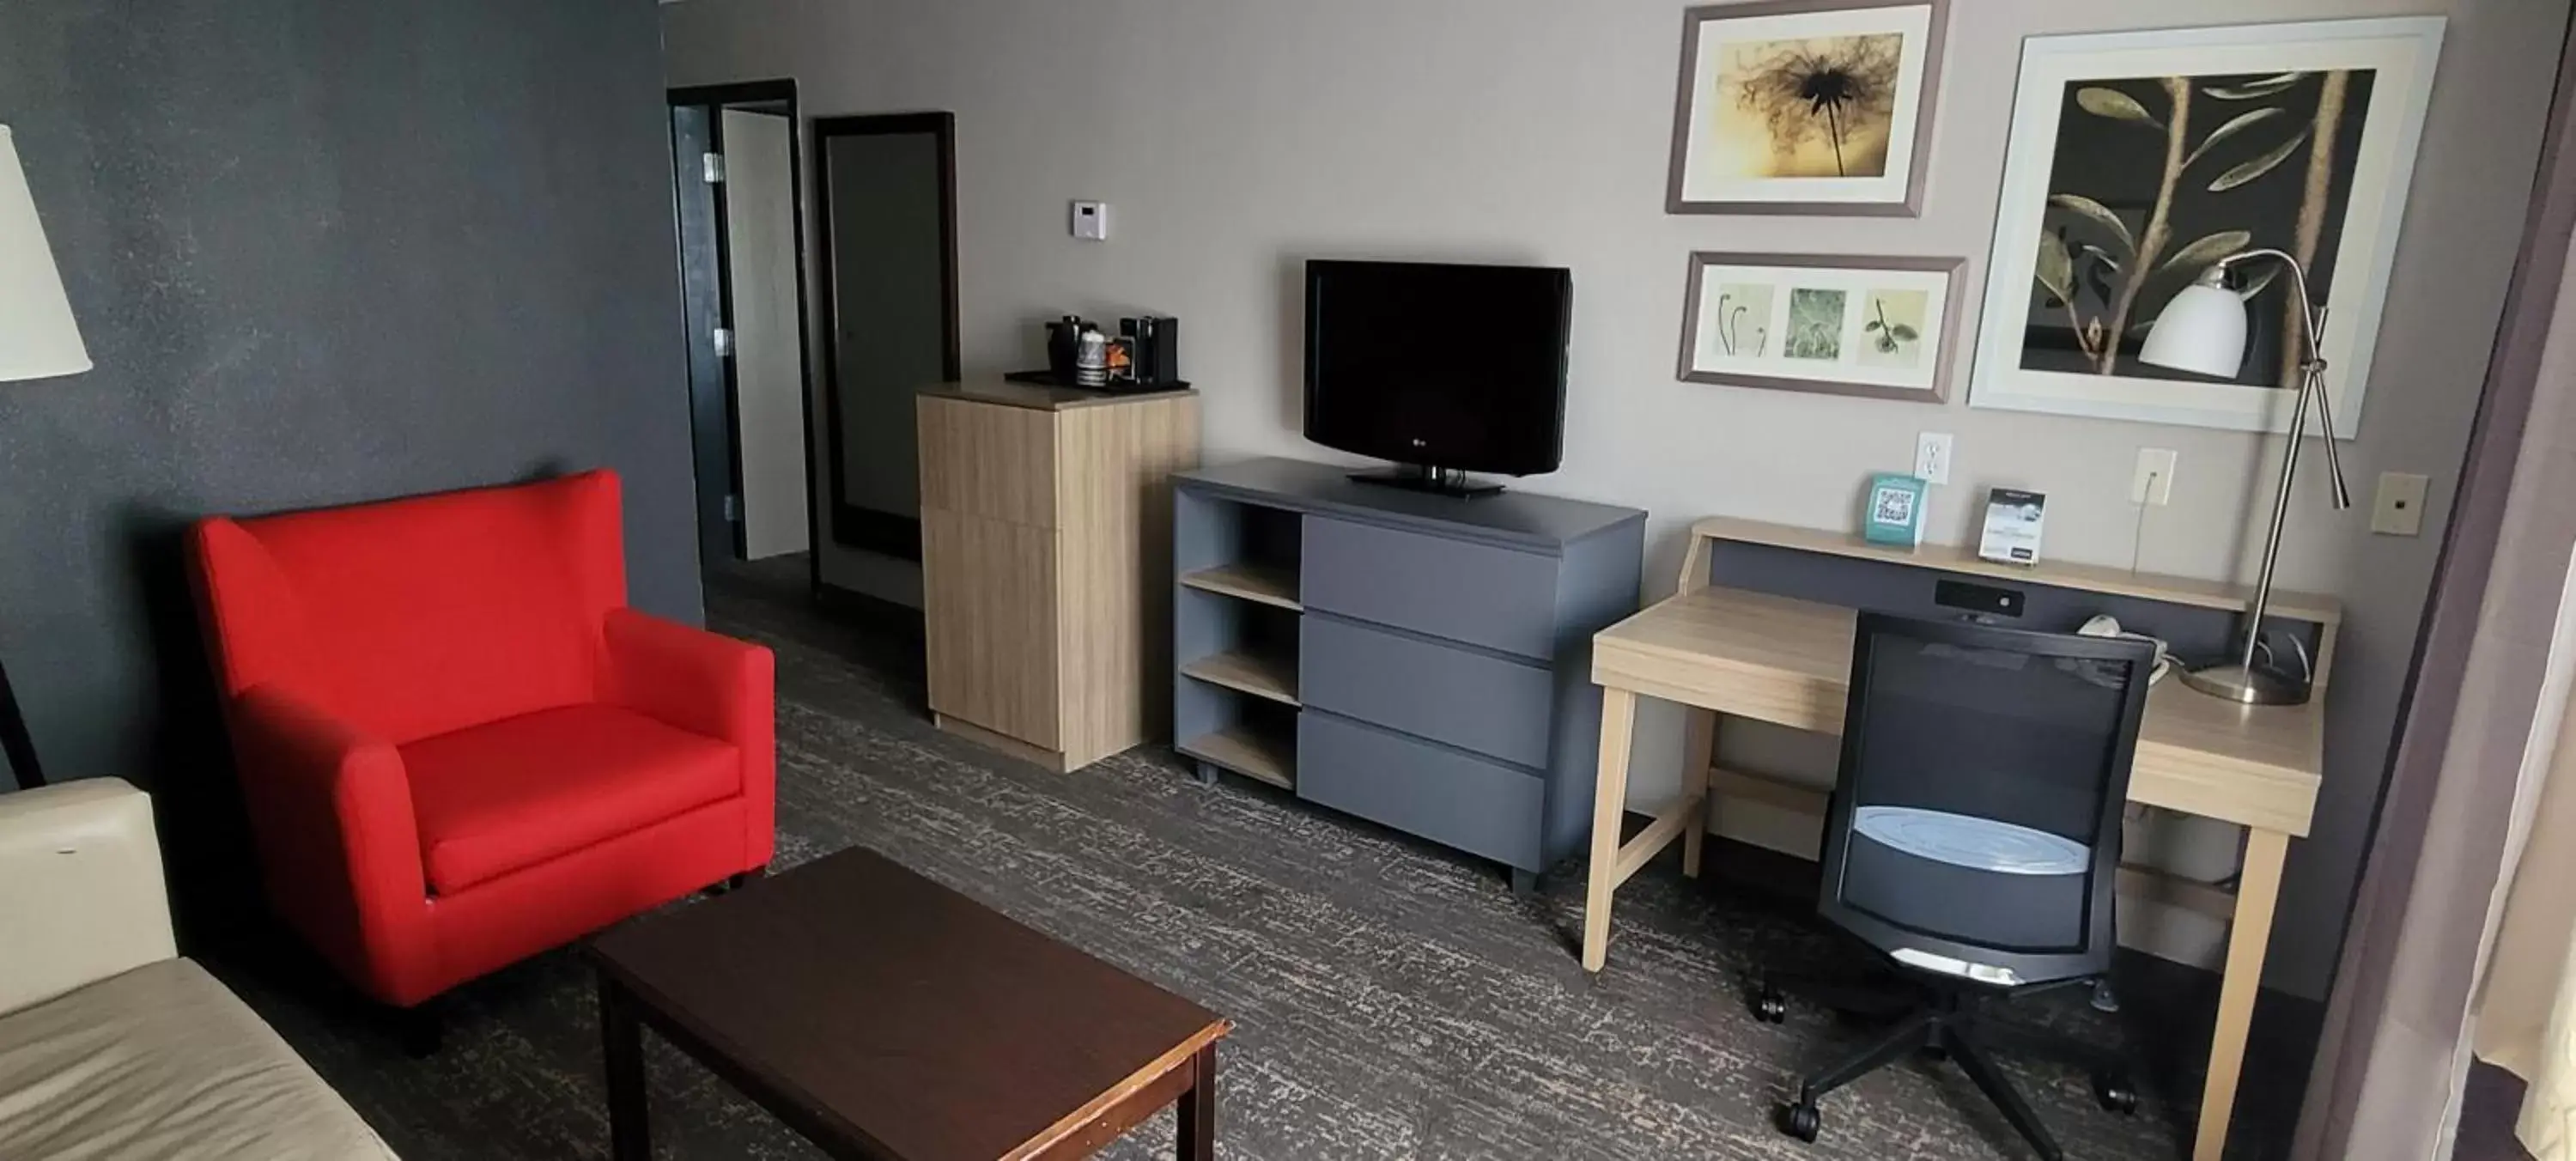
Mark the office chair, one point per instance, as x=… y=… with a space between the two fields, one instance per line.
x=1973 y=840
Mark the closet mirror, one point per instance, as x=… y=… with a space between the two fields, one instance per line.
x=886 y=187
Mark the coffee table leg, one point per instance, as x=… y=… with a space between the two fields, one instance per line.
x=621 y=1040
x=1198 y=1109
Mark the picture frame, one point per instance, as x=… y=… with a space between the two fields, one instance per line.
x=1873 y=327
x=1749 y=135
x=2300 y=137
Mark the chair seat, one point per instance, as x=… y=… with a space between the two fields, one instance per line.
x=496 y=798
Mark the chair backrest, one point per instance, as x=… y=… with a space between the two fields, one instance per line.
x=419 y=616
x=1975 y=825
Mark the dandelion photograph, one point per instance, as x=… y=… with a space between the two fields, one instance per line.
x=1838 y=324
x=1805 y=106
x=2141 y=160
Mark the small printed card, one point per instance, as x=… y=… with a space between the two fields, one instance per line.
x=2012 y=526
x=1894 y=514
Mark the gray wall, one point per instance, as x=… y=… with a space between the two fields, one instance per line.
x=321 y=252
x=1235 y=136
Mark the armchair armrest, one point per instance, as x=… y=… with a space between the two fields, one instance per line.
x=331 y=808
x=709 y=685
x=80 y=889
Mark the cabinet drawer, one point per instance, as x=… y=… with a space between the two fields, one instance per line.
x=988 y=460
x=1495 y=597
x=1471 y=700
x=1483 y=808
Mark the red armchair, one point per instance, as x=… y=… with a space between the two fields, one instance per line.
x=458 y=746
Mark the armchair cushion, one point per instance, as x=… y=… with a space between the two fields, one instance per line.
x=497 y=798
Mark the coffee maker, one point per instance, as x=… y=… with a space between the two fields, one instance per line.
x=1154 y=345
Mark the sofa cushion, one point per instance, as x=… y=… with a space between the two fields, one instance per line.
x=493 y=799
x=162 y=1061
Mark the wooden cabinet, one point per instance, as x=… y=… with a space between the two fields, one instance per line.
x=1046 y=561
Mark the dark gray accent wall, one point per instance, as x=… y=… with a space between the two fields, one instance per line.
x=322 y=252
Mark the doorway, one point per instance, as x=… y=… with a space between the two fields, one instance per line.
x=742 y=271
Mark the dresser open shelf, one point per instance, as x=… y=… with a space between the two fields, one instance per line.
x=1247 y=671
x=1270 y=584
x=1265 y=754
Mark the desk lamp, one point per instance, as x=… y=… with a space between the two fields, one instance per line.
x=37 y=341
x=2203 y=331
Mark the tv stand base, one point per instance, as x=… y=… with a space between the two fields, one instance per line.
x=1425 y=478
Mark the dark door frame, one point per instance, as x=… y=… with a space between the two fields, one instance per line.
x=706 y=281
x=888 y=533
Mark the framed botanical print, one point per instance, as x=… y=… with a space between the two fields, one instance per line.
x=2140 y=159
x=1806 y=107
x=1877 y=327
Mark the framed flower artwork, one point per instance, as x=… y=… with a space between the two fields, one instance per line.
x=1838 y=325
x=1806 y=107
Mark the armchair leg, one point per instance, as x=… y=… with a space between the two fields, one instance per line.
x=745 y=879
x=420 y=1028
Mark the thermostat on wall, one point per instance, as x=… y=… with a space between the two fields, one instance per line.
x=1091 y=221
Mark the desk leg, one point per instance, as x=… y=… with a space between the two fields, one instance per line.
x=621 y=1039
x=1197 y=1110
x=1699 y=749
x=2258 y=887
x=1609 y=803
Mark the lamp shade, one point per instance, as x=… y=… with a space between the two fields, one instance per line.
x=37 y=337
x=2202 y=331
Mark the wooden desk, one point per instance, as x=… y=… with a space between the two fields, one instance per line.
x=1724 y=651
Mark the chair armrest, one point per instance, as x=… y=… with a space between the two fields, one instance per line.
x=709 y=685
x=81 y=896
x=330 y=806
x=698 y=681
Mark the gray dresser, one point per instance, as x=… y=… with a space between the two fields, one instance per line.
x=1420 y=661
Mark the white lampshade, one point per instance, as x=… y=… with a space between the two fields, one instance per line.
x=2202 y=331
x=37 y=337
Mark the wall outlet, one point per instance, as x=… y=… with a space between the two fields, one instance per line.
x=1091 y=221
x=2153 y=481
x=2399 y=508
x=1932 y=457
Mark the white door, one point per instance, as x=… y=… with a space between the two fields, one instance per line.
x=768 y=367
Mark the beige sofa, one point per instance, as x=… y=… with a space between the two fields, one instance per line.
x=111 y=1045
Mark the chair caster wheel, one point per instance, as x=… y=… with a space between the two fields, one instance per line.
x=1769 y=1006
x=2115 y=1093
x=1801 y=1119
x=1935 y=1052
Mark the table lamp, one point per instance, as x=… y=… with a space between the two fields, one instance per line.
x=37 y=341
x=2203 y=331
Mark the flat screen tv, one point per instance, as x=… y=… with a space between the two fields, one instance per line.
x=1444 y=369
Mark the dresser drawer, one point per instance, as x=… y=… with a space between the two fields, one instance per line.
x=1471 y=700
x=1499 y=598
x=1483 y=808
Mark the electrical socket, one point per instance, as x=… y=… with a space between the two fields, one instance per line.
x=2152 y=483
x=1932 y=457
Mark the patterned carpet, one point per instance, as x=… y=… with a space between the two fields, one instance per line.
x=1392 y=1000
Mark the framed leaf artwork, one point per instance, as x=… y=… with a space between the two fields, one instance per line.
x=2138 y=159
x=1877 y=327
x=1806 y=107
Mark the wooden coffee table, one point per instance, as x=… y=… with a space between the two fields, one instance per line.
x=885 y=1016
